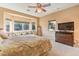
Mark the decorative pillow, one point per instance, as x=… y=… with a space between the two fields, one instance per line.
x=1 y=38
x=30 y=32
x=4 y=37
x=27 y=33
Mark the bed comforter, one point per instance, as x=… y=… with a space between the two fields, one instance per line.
x=29 y=45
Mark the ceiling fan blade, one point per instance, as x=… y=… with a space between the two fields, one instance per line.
x=31 y=6
x=44 y=10
x=46 y=5
x=39 y=5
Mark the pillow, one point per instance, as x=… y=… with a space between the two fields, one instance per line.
x=27 y=33
x=4 y=37
x=1 y=38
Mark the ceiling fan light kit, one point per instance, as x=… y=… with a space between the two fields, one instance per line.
x=39 y=10
x=39 y=7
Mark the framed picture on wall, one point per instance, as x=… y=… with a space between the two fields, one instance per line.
x=51 y=25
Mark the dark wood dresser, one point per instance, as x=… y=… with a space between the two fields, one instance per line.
x=65 y=37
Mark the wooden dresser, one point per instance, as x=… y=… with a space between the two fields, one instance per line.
x=65 y=37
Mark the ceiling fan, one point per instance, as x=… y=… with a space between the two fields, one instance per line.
x=40 y=7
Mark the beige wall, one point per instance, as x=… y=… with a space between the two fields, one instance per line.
x=1 y=18
x=67 y=15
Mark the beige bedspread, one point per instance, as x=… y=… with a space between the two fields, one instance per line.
x=29 y=45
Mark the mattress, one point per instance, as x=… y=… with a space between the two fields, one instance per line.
x=27 y=45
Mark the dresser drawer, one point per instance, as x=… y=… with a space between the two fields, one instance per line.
x=65 y=38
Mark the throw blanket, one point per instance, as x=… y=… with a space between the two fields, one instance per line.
x=29 y=45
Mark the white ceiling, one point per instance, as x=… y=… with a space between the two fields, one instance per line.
x=23 y=7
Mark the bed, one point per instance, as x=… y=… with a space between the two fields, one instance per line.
x=26 y=45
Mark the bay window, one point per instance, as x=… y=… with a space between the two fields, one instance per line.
x=26 y=26
x=8 y=25
x=21 y=26
x=33 y=25
x=17 y=26
x=11 y=26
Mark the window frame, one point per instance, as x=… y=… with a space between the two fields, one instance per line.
x=52 y=24
x=34 y=26
x=7 y=20
x=22 y=23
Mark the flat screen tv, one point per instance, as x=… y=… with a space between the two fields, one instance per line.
x=66 y=26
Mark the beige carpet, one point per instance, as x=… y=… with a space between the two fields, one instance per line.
x=59 y=49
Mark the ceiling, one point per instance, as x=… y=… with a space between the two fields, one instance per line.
x=23 y=7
